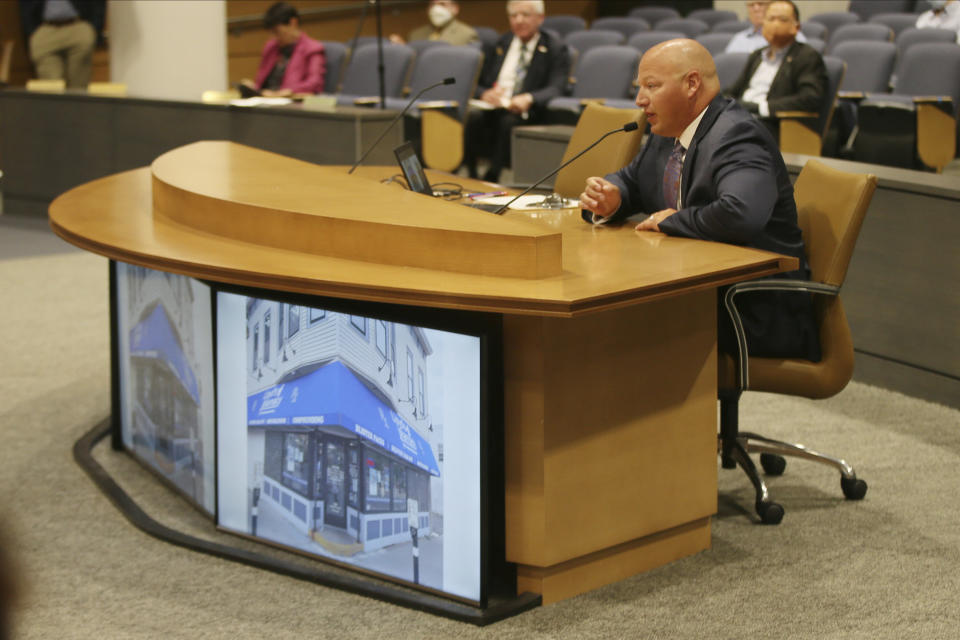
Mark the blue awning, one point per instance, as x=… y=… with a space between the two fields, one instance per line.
x=154 y=337
x=333 y=395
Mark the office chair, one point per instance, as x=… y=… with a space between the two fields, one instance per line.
x=608 y=156
x=831 y=205
x=803 y=131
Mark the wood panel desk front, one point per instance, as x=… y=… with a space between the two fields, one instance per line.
x=609 y=334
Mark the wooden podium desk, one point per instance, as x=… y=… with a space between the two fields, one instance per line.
x=609 y=334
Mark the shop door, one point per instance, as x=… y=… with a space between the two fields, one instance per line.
x=335 y=499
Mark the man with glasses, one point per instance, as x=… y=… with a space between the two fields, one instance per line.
x=786 y=75
x=751 y=39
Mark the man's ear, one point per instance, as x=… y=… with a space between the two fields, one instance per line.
x=693 y=82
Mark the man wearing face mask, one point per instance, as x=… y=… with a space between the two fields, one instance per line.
x=943 y=14
x=786 y=75
x=443 y=25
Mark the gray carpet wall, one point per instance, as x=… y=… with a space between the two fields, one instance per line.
x=886 y=567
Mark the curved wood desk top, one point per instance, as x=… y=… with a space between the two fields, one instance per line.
x=224 y=212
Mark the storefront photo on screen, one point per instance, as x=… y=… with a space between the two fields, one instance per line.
x=164 y=344
x=351 y=438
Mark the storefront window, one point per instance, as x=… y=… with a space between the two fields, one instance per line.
x=266 y=337
x=399 y=488
x=296 y=471
x=378 y=481
x=353 y=471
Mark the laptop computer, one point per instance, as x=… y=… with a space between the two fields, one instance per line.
x=416 y=178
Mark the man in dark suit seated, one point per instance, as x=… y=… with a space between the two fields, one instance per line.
x=710 y=170
x=525 y=69
x=786 y=75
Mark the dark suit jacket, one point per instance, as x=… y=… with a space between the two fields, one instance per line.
x=799 y=85
x=734 y=188
x=546 y=76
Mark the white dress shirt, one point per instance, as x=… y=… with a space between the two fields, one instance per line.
x=762 y=78
x=508 y=71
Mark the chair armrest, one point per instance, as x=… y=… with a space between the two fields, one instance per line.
x=584 y=102
x=766 y=284
x=929 y=99
x=368 y=101
x=851 y=95
x=796 y=114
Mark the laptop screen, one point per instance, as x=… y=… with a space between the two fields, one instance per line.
x=412 y=169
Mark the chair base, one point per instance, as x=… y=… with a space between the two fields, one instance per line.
x=735 y=447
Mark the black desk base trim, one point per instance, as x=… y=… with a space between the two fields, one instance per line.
x=497 y=609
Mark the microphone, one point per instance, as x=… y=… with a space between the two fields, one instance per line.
x=630 y=126
x=400 y=115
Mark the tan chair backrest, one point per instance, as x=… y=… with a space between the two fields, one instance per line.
x=831 y=205
x=608 y=156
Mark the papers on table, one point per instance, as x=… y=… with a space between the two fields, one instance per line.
x=260 y=101
x=529 y=203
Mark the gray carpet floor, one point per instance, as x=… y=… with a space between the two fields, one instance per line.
x=886 y=567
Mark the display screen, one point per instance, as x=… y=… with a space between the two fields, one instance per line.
x=352 y=438
x=165 y=359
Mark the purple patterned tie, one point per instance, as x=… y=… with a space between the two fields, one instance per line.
x=671 y=176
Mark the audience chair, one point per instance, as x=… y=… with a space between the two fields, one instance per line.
x=626 y=26
x=712 y=16
x=918 y=121
x=730 y=26
x=832 y=20
x=488 y=36
x=444 y=109
x=643 y=41
x=112 y=89
x=817 y=44
x=869 y=68
x=912 y=35
x=587 y=39
x=867 y=9
x=729 y=66
x=363 y=41
x=608 y=156
x=653 y=15
x=714 y=42
x=896 y=21
x=804 y=131
x=6 y=56
x=564 y=24
x=690 y=27
x=860 y=31
x=421 y=45
x=601 y=73
x=361 y=83
x=831 y=205
x=336 y=57
x=814 y=30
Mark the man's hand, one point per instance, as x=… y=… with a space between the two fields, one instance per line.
x=653 y=222
x=600 y=196
x=520 y=103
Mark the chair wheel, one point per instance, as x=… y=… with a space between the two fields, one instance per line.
x=770 y=512
x=773 y=464
x=853 y=488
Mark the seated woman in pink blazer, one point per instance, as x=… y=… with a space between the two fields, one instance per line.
x=291 y=62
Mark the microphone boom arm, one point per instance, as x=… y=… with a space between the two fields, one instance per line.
x=398 y=116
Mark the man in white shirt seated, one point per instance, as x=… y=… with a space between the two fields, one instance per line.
x=752 y=39
x=943 y=14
